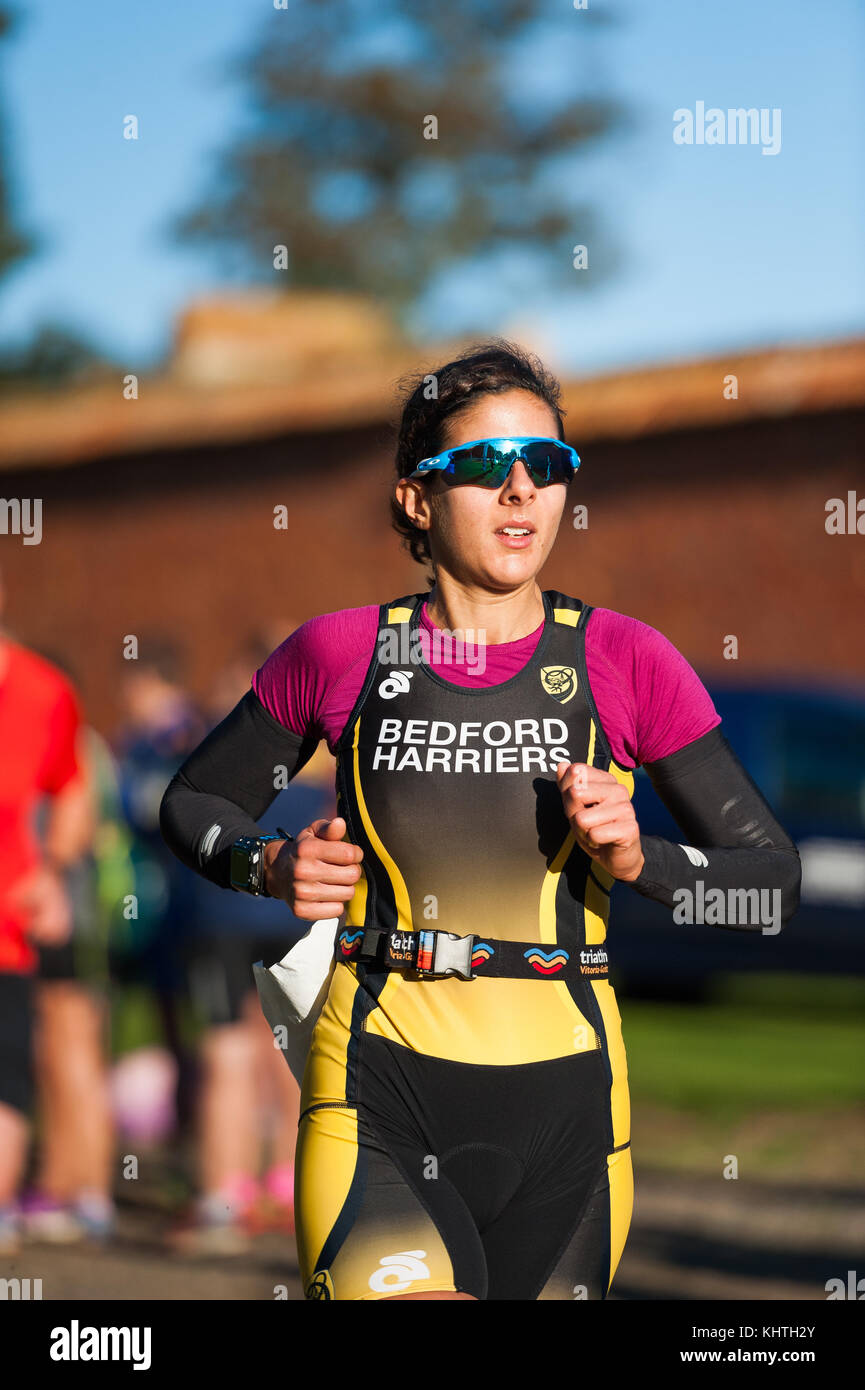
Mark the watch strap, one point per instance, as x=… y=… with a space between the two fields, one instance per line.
x=252 y=846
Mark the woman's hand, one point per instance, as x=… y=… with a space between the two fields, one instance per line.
x=601 y=815
x=315 y=873
x=42 y=895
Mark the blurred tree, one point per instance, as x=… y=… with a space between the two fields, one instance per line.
x=337 y=166
x=54 y=353
x=14 y=245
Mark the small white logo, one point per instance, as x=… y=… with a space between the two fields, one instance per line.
x=398 y=1271
x=397 y=684
x=209 y=841
x=696 y=856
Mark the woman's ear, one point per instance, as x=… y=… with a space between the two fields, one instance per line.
x=412 y=498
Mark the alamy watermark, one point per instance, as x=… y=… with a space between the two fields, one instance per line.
x=736 y=126
x=21 y=516
x=441 y=647
x=731 y=907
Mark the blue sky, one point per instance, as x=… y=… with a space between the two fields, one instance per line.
x=722 y=247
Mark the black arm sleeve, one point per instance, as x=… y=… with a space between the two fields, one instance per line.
x=735 y=841
x=226 y=783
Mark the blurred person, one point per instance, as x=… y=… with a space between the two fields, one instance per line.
x=486 y=734
x=40 y=757
x=244 y=1079
x=160 y=724
x=71 y=1193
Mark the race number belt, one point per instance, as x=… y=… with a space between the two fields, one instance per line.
x=435 y=955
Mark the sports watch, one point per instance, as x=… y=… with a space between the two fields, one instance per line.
x=247 y=862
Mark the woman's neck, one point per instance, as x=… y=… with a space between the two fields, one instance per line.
x=491 y=618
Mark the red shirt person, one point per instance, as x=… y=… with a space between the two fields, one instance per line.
x=40 y=719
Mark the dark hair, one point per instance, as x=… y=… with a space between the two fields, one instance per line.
x=484 y=369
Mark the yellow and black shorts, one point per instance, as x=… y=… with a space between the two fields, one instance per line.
x=496 y=1181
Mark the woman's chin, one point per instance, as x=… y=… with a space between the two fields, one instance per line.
x=513 y=567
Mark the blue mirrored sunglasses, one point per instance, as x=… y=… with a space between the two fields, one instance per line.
x=488 y=462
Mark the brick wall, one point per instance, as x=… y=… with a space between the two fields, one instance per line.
x=701 y=534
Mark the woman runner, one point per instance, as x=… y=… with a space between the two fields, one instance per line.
x=464 y=1126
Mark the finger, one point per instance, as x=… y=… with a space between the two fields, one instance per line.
x=323 y=829
x=615 y=795
x=315 y=912
x=574 y=775
x=315 y=828
x=606 y=802
x=592 y=816
x=320 y=871
x=622 y=833
x=321 y=841
x=333 y=832
x=323 y=892
x=331 y=829
x=337 y=852
x=590 y=773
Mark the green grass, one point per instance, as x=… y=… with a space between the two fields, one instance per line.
x=771 y=1070
x=735 y=1057
x=818 y=994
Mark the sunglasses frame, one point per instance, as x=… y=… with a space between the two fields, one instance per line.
x=445 y=462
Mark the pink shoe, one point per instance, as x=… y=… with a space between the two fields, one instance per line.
x=43 y=1218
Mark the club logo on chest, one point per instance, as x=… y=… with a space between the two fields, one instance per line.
x=560 y=682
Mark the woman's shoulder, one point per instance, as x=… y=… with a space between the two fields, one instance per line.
x=300 y=679
x=647 y=685
x=628 y=639
x=355 y=626
x=346 y=632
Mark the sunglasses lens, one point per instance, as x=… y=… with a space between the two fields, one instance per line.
x=548 y=462
x=479 y=463
x=485 y=464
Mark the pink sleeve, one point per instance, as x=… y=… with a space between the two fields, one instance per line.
x=311 y=681
x=650 y=701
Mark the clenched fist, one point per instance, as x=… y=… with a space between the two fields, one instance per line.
x=42 y=895
x=316 y=873
x=601 y=815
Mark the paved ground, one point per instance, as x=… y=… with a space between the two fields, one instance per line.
x=691 y=1239
x=710 y=1238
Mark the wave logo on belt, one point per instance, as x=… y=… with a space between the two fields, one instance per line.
x=560 y=682
x=481 y=954
x=546 y=962
x=349 y=941
x=397 y=684
x=320 y=1285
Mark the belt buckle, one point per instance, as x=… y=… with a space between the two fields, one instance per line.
x=442 y=954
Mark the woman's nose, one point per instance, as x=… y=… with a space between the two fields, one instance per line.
x=519 y=477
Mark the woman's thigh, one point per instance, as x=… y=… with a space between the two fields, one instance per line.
x=567 y=1247
x=366 y=1227
x=493 y=1181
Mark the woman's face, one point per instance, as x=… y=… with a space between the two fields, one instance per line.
x=465 y=520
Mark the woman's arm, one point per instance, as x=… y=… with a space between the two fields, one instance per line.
x=733 y=839
x=226 y=784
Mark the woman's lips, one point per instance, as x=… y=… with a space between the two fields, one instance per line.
x=515 y=542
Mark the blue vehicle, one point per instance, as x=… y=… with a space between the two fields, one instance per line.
x=805 y=749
